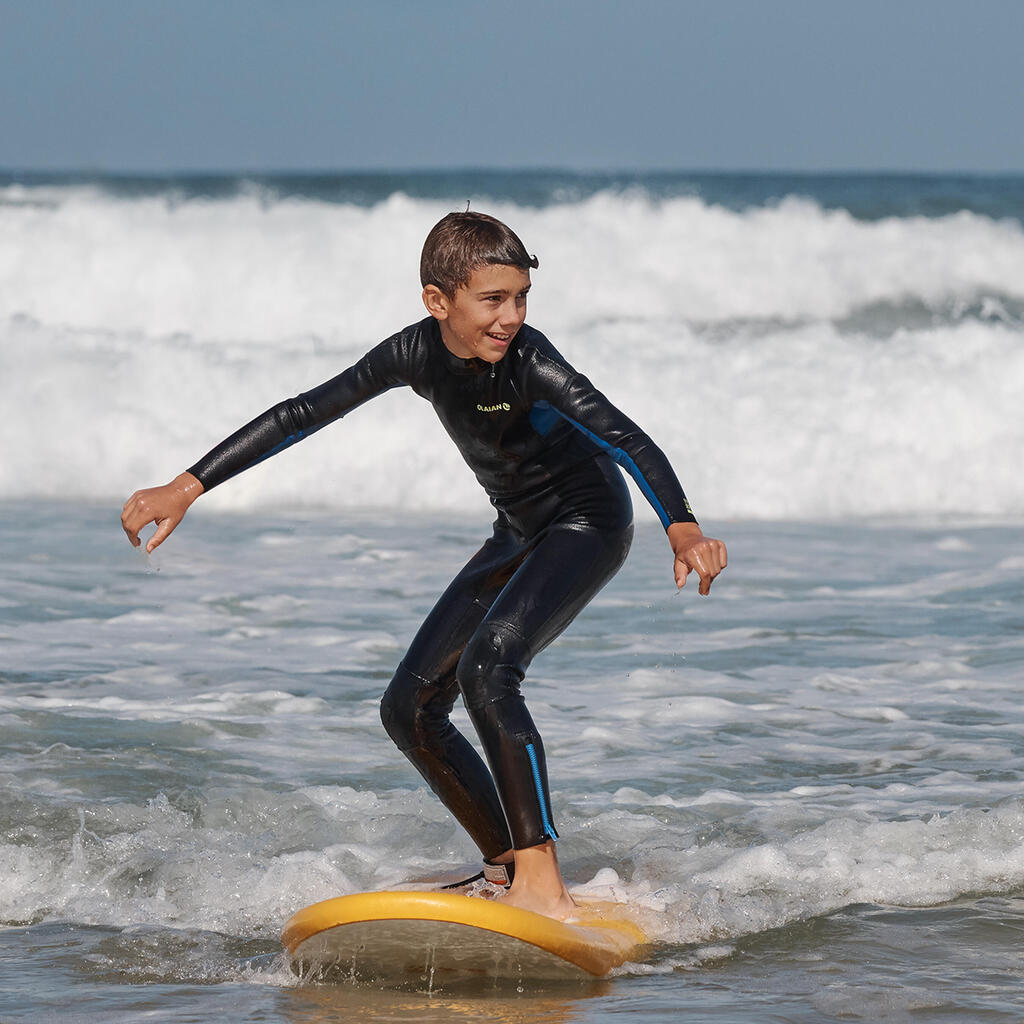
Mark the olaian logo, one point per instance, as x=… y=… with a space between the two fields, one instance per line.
x=500 y=407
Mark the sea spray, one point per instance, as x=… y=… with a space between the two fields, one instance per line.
x=821 y=364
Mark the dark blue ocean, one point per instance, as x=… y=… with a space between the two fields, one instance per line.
x=807 y=785
x=865 y=196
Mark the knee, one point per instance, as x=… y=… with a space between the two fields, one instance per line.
x=492 y=666
x=394 y=721
x=400 y=709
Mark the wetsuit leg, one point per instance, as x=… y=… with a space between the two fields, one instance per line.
x=518 y=593
x=417 y=703
x=562 y=572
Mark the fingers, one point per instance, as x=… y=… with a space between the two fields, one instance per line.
x=133 y=535
x=707 y=558
x=700 y=564
x=133 y=519
x=139 y=513
x=712 y=558
x=163 y=529
x=682 y=570
x=166 y=506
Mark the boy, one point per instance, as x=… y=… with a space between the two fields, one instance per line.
x=538 y=437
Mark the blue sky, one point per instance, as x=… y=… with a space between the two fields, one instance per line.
x=151 y=85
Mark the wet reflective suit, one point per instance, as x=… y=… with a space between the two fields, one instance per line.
x=538 y=436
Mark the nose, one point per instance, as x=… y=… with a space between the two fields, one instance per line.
x=512 y=312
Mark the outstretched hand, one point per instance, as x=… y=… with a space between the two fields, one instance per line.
x=166 y=506
x=697 y=553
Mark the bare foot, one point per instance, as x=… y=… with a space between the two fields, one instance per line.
x=561 y=908
x=538 y=884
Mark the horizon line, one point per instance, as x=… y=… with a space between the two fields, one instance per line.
x=322 y=172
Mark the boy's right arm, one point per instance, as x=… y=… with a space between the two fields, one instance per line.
x=384 y=367
x=166 y=506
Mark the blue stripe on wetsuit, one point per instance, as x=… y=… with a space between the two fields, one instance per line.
x=543 y=417
x=545 y=818
x=287 y=442
x=299 y=435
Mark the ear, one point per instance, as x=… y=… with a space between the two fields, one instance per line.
x=436 y=301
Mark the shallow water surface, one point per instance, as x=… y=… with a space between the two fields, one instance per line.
x=806 y=787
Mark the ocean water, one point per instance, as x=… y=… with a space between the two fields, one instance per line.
x=807 y=786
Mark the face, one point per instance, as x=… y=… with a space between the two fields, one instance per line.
x=484 y=316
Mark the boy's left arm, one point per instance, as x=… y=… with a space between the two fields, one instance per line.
x=573 y=397
x=693 y=551
x=548 y=377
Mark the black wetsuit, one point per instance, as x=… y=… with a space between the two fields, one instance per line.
x=537 y=435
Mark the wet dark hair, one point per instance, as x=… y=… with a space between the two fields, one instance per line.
x=461 y=242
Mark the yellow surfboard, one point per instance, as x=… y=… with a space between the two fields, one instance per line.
x=398 y=937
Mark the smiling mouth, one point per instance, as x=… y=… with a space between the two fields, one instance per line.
x=501 y=339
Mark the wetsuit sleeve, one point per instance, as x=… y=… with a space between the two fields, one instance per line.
x=571 y=396
x=290 y=421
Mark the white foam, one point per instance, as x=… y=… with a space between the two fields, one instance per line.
x=137 y=333
x=258 y=704
x=307 y=274
x=720 y=893
x=231 y=867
